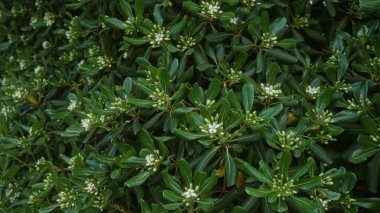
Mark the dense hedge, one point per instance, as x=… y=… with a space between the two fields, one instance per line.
x=190 y=106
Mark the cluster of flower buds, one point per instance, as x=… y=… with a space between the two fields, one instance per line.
x=158 y=35
x=210 y=9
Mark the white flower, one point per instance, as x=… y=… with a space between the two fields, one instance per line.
x=45 y=44
x=212 y=127
x=271 y=91
x=312 y=91
x=72 y=105
x=67 y=198
x=92 y=186
x=86 y=122
x=210 y=9
x=37 y=69
x=234 y=20
x=190 y=193
x=149 y=160
x=158 y=35
x=49 y=18
x=17 y=94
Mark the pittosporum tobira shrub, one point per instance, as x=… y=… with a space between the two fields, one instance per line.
x=190 y=106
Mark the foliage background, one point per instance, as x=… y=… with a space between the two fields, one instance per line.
x=189 y=106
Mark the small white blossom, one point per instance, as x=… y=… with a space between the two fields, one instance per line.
x=312 y=91
x=86 y=123
x=234 y=20
x=212 y=127
x=190 y=195
x=153 y=161
x=49 y=19
x=158 y=35
x=38 y=69
x=67 y=198
x=185 y=43
x=268 y=40
x=210 y=9
x=271 y=91
x=92 y=186
x=73 y=104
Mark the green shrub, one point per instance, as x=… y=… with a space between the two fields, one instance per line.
x=190 y=106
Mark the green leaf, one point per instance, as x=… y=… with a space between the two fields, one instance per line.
x=188 y=135
x=125 y=9
x=304 y=204
x=230 y=169
x=178 y=27
x=206 y=204
x=369 y=5
x=272 y=111
x=374 y=173
x=171 y=196
x=276 y=26
x=252 y=171
x=48 y=208
x=139 y=10
x=324 y=99
x=186 y=172
x=362 y=154
x=321 y=153
x=146 y=140
x=191 y=7
x=289 y=43
x=127 y=85
x=248 y=96
x=259 y=192
x=136 y=41
x=217 y=37
x=370 y=125
x=303 y=169
x=310 y=183
x=286 y=160
x=282 y=56
x=171 y=182
x=138 y=179
x=114 y=23
x=140 y=102
x=206 y=158
x=213 y=89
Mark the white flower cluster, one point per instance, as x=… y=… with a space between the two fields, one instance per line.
x=12 y=193
x=376 y=139
x=288 y=140
x=341 y=86
x=158 y=35
x=49 y=180
x=100 y=202
x=92 y=119
x=33 y=21
x=69 y=56
x=283 y=186
x=35 y=197
x=67 y=198
x=268 y=40
x=326 y=179
x=271 y=91
x=312 y=91
x=18 y=92
x=322 y=117
x=334 y=58
x=300 y=22
x=93 y=50
x=210 y=9
x=74 y=31
x=250 y=3
x=185 y=43
x=361 y=106
x=251 y=118
x=213 y=127
x=152 y=161
x=190 y=194
x=325 y=138
x=103 y=62
x=75 y=161
x=370 y=48
x=119 y=104
x=129 y=28
x=160 y=97
x=234 y=76
x=49 y=19
x=40 y=163
x=7 y=111
x=92 y=186
x=374 y=62
x=73 y=104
